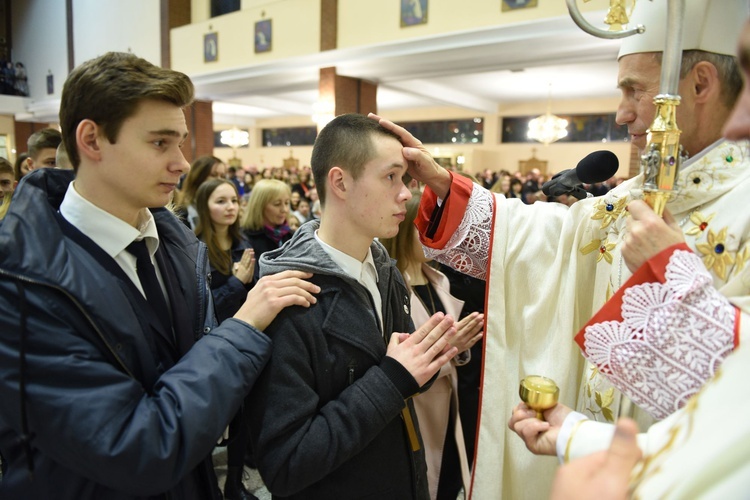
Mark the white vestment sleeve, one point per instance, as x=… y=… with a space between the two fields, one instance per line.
x=468 y=250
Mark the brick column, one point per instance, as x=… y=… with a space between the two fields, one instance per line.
x=174 y=13
x=200 y=122
x=347 y=95
x=341 y=94
x=329 y=24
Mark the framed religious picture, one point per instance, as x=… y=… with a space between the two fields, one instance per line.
x=210 y=47
x=263 y=36
x=4 y=146
x=413 y=12
x=517 y=4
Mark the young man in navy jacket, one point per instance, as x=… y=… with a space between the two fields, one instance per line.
x=115 y=379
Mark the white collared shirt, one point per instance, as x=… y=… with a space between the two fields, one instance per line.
x=364 y=272
x=113 y=235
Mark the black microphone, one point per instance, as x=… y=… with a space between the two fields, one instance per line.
x=595 y=167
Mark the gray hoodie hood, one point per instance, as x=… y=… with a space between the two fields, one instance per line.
x=304 y=253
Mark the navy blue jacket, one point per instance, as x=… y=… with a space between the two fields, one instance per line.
x=85 y=399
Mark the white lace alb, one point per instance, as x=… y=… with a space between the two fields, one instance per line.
x=673 y=337
x=468 y=249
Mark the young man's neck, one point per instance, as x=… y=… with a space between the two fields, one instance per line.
x=341 y=236
x=94 y=196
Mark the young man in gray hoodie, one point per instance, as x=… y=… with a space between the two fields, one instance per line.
x=332 y=415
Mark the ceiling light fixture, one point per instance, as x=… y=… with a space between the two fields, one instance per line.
x=548 y=128
x=235 y=138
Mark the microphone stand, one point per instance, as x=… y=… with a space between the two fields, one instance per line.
x=663 y=155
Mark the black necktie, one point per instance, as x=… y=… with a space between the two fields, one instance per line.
x=149 y=282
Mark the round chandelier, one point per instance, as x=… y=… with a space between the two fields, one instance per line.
x=548 y=128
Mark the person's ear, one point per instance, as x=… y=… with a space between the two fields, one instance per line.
x=705 y=81
x=15 y=183
x=337 y=182
x=88 y=135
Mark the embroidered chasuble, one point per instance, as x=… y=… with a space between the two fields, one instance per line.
x=700 y=451
x=550 y=268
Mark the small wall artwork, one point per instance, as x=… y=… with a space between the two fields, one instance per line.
x=508 y=5
x=263 y=36
x=413 y=12
x=210 y=47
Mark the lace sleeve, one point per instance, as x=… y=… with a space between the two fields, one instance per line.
x=468 y=249
x=672 y=337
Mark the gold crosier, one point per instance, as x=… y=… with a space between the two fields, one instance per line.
x=663 y=155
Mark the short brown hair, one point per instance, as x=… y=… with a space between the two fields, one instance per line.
x=47 y=138
x=108 y=90
x=346 y=142
x=6 y=167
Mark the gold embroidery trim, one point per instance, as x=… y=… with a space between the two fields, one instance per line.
x=566 y=458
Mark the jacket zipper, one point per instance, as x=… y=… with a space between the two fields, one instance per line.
x=80 y=308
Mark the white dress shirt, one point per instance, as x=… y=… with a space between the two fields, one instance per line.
x=364 y=272
x=113 y=235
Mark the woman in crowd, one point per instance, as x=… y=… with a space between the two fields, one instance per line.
x=230 y=255
x=201 y=170
x=304 y=184
x=303 y=213
x=516 y=188
x=294 y=200
x=265 y=219
x=21 y=167
x=232 y=264
x=437 y=409
x=249 y=180
x=502 y=186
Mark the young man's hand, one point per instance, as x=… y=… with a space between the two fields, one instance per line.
x=540 y=436
x=275 y=292
x=422 y=166
x=426 y=350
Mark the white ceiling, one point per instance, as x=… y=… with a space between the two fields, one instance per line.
x=478 y=70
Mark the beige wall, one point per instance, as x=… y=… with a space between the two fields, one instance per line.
x=296 y=32
x=296 y=27
x=373 y=22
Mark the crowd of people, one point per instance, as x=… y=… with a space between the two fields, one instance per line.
x=13 y=79
x=152 y=308
x=528 y=187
